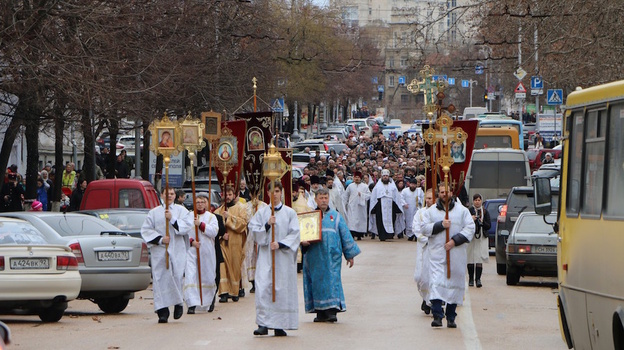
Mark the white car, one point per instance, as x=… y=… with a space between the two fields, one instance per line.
x=36 y=276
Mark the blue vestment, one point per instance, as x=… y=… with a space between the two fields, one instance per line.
x=322 y=261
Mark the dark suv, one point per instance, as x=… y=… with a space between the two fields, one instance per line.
x=519 y=200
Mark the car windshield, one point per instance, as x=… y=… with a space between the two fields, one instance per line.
x=78 y=225
x=522 y=202
x=532 y=154
x=534 y=224
x=124 y=221
x=20 y=233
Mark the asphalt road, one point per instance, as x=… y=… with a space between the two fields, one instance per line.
x=383 y=312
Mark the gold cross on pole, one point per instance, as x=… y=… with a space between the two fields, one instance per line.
x=444 y=132
x=426 y=86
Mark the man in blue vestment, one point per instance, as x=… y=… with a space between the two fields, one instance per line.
x=322 y=261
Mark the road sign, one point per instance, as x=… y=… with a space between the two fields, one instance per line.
x=278 y=105
x=535 y=92
x=520 y=73
x=380 y=88
x=402 y=80
x=537 y=83
x=520 y=88
x=438 y=77
x=465 y=83
x=478 y=69
x=554 y=96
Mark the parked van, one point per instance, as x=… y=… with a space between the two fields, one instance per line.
x=494 y=171
x=473 y=112
x=119 y=193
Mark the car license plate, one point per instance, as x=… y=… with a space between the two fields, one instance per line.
x=113 y=255
x=545 y=250
x=30 y=264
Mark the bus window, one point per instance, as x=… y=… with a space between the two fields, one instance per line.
x=575 y=155
x=594 y=163
x=492 y=142
x=497 y=137
x=615 y=182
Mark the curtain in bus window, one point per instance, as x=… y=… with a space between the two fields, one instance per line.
x=594 y=163
x=131 y=198
x=574 y=164
x=615 y=182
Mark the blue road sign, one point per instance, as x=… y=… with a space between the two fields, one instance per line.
x=465 y=83
x=438 y=77
x=402 y=80
x=554 y=96
x=478 y=69
x=374 y=80
x=537 y=82
x=451 y=81
x=380 y=88
x=277 y=105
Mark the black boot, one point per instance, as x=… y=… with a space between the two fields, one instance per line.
x=223 y=298
x=178 y=311
x=211 y=308
x=253 y=287
x=471 y=275
x=478 y=276
x=191 y=310
x=262 y=330
x=163 y=315
x=241 y=293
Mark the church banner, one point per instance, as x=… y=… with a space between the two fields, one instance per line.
x=227 y=154
x=257 y=142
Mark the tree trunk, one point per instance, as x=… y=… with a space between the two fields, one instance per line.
x=145 y=152
x=32 y=157
x=59 y=127
x=113 y=130
x=9 y=139
x=88 y=165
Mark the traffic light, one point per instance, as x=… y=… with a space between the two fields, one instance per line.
x=380 y=95
x=485 y=97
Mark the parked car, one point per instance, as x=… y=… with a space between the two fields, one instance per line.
x=519 y=200
x=337 y=146
x=36 y=275
x=127 y=220
x=531 y=247
x=492 y=206
x=313 y=144
x=203 y=184
x=112 y=264
x=363 y=125
x=119 y=193
x=215 y=197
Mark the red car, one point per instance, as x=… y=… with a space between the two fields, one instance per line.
x=536 y=157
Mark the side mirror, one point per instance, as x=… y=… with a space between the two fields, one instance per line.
x=504 y=233
x=542 y=195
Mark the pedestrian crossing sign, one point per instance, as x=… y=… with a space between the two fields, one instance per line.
x=554 y=96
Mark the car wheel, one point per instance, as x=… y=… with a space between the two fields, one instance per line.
x=501 y=269
x=51 y=314
x=513 y=276
x=113 y=305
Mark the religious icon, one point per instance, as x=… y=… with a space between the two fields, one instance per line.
x=166 y=138
x=225 y=151
x=310 y=226
x=212 y=122
x=189 y=135
x=255 y=139
x=458 y=151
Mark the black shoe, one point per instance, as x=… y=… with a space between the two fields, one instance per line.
x=261 y=331
x=437 y=322
x=253 y=289
x=241 y=293
x=372 y=236
x=178 y=311
x=359 y=238
x=426 y=308
x=410 y=238
x=470 y=283
x=223 y=298
x=163 y=315
x=450 y=324
x=280 y=333
x=234 y=299
x=479 y=285
x=400 y=236
x=332 y=318
x=191 y=310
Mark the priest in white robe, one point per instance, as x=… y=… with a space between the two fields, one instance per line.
x=386 y=209
x=442 y=289
x=335 y=193
x=167 y=282
x=355 y=197
x=207 y=228
x=421 y=272
x=284 y=312
x=413 y=198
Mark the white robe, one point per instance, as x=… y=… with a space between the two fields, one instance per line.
x=387 y=194
x=208 y=261
x=167 y=283
x=354 y=198
x=335 y=199
x=449 y=290
x=414 y=200
x=284 y=312
x=478 y=249
x=422 y=275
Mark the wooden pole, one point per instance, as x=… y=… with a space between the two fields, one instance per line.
x=272 y=240
x=201 y=298
x=446 y=207
x=166 y=161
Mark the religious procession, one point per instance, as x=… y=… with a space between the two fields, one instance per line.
x=273 y=226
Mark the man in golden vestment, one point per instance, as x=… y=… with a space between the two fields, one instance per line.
x=232 y=244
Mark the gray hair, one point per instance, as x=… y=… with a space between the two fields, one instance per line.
x=322 y=191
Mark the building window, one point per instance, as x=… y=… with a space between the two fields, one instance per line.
x=404 y=99
x=391 y=80
x=391 y=62
x=403 y=61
